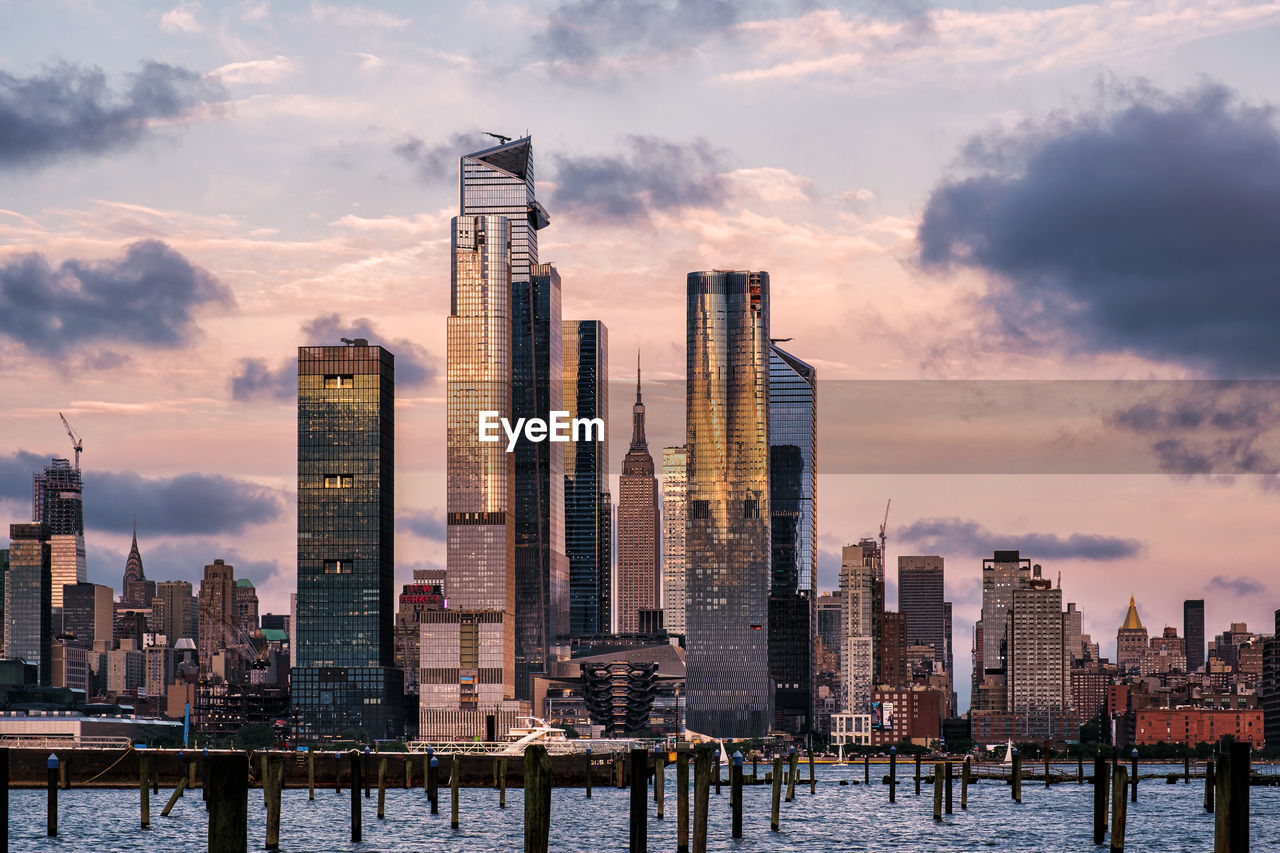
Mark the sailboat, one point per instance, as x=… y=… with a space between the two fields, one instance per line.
x=1008 y=754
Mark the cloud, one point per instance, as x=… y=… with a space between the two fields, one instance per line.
x=177 y=560
x=148 y=298
x=1241 y=587
x=183 y=504
x=255 y=379
x=957 y=535
x=438 y=161
x=580 y=35
x=256 y=71
x=429 y=524
x=356 y=17
x=67 y=110
x=1144 y=226
x=649 y=174
x=183 y=18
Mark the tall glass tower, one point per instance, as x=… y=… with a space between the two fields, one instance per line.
x=793 y=488
x=675 y=519
x=730 y=693
x=57 y=501
x=28 y=630
x=587 y=502
x=345 y=680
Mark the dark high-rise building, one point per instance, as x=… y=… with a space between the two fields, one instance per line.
x=793 y=487
x=87 y=613
x=175 y=611
x=639 y=528
x=728 y=549
x=1270 y=688
x=345 y=680
x=891 y=651
x=246 y=604
x=217 y=626
x=587 y=502
x=1002 y=573
x=57 y=501
x=136 y=590
x=28 y=591
x=4 y=571
x=1193 y=632
x=920 y=600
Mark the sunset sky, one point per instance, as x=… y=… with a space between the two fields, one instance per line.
x=1043 y=192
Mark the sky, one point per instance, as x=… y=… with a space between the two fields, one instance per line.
x=1029 y=249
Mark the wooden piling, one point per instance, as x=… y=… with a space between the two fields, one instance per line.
x=639 y=801
x=272 y=785
x=1222 y=804
x=964 y=784
x=1118 y=806
x=1186 y=770
x=795 y=771
x=1016 y=786
x=455 y=777
x=191 y=773
x=617 y=770
x=1134 y=783
x=357 y=828
x=777 y=793
x=702 y=769
x=917 y=774
x=949 y=772
x=682 y=800
x=408 y=772
x=426 y=764
x=4 y=799
x=1237 y=808
x=717 y=757
x=495 y=774
x=813 y=782
x=755 y=768
x=337 y=772
x=262 y=775
x=1099 y=799
x=866 y=769
x=227 y=781
x=64 y=772
x=502 y=783
x=735 y=794
x=173 y=798
x=537 y=798
x=433 y=784
x=659 y=783
x=144 y=787
x=51 y=800
x=382 y=788
x=587 y=764
x=1080 y=768
x=937 y=791
x=893 y=774
x=365 y=775
x=311 y=775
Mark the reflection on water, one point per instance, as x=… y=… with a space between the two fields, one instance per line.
x=1167 y=818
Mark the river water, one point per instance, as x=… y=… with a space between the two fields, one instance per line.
x=1166 y=819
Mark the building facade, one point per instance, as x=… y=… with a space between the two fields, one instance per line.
x=57 y=501
x=87 y=613
x=860 y=620
x=727 y=549
x=217 y=620
x=588 y=504
x=345 y=680
x=920 y=600
x=28 y=596
x=793 y=493
x=675 y=519
x=1131 y=641
x=639 y=527
x=1193 y=632
x=1039 y=680
x=135 y=589
x=175 y=611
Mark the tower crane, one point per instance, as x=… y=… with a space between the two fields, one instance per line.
x=76 y=441
x=884 y=555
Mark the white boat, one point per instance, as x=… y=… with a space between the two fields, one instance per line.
x=1008 y=755
x=534 y=730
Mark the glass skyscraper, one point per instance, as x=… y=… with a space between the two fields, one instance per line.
x=793 y=486
x=587 y=502
x=28 y=629
x=345 y=681
x=728 y=550
x=57 y=501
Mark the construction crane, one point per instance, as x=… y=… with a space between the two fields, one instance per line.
x=76 y=442
x=884 y=555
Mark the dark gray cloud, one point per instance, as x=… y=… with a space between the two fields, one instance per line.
x=255 y=379
x=436 y=162
x=174 y=560
x=578 y=33
x=1241 y=587
x=67 y=110
x=1145 y=224
x=183 y=504
x=429 y=524
x=958 y=535
x=148 y=297
x=648 y=174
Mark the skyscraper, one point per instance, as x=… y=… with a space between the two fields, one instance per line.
x=728 y=550
x=345 y=679
x=136 y=590
x=246 y=605
x=1193 y=631
x=639 y=529
x=1038 y=674
x=675 y=519
x=920 y=600
x=217 y=609
x=1002 y=573
x=28 y=592
x=57 y=501
x=859 y=623
x=793 y=487
x=588 y=506
x=87 y=613
x=1131 y=640
x=424 y=595
x=174 y=613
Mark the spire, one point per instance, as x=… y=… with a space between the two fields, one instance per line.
x=638 y=441
x=1131 y=620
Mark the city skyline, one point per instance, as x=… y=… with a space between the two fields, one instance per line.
x=343 y=236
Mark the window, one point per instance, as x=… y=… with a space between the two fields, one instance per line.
x=339 y=381
x=338 y=481
x=751 y=508
x=337 y=567
x=701 y=509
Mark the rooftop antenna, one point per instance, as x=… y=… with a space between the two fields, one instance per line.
x=502 y=140
x=76 y=441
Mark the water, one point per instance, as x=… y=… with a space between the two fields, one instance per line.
x=1167 y=819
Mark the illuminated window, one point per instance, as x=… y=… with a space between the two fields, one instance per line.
x=334 y=380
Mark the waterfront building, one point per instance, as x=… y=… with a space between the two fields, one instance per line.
x=588 y=504
x=727 y=548
x=345 y=680
x=639 y=527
